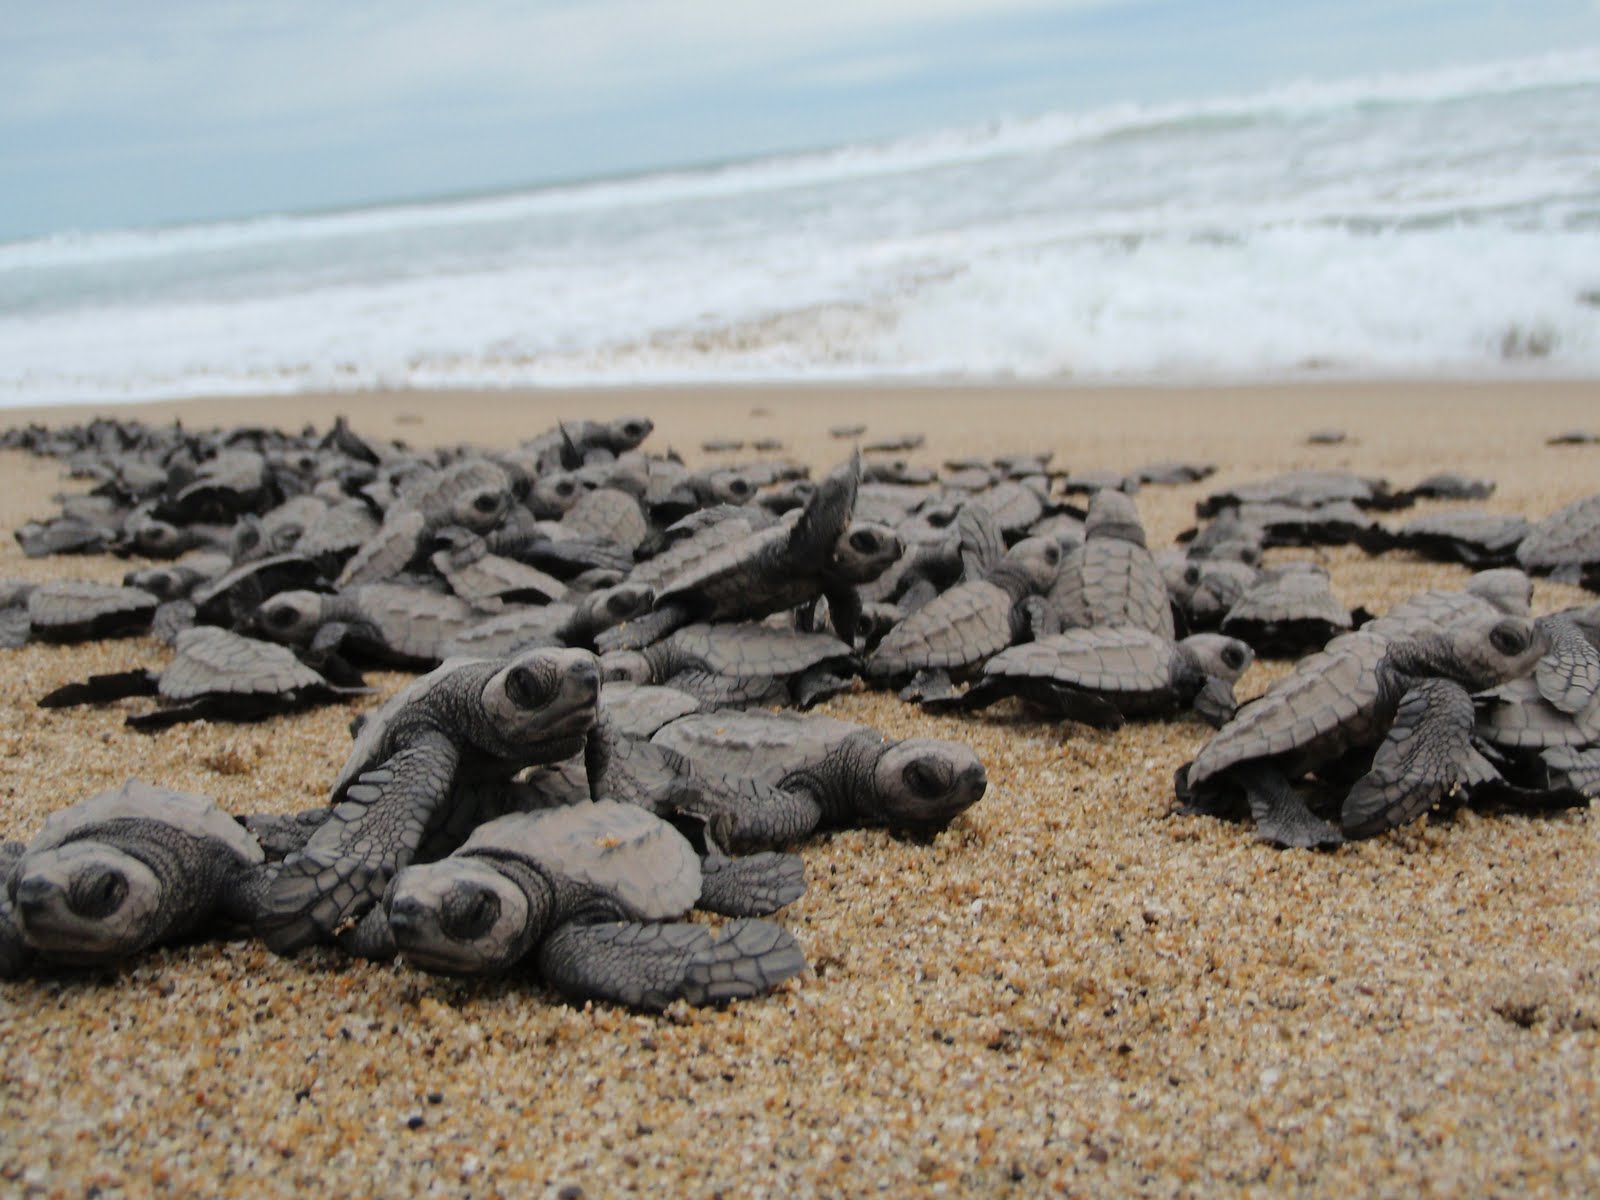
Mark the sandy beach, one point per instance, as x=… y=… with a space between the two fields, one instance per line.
x=1071 y=990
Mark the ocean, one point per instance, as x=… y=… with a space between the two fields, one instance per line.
x=1439 y=224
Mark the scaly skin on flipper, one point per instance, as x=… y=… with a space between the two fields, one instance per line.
x=1426 y=758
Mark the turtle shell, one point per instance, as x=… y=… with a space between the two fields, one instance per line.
x=136 y=800
x=214 y=661
x=618 y=849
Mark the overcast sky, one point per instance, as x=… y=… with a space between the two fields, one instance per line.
x=117 y=114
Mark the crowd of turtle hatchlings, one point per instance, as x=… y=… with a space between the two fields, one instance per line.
x=616 y=656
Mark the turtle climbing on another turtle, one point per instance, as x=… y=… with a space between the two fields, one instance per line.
x=411 y=778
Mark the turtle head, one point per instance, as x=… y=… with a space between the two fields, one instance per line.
x=864 y=551
x=626 y=666
x=622 y=602
x=480 y=509
x=625 y=433
x=1220 y=657
x=1113 y=514
x=926 y=781
x=1034 y=562
x=1507 y=588
x=87 y=902
x=290 y=617
x=461 y=916
x=543 y=695
x=158 y=539
x=1482 y=652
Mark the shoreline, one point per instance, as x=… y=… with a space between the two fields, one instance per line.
x=1072 y=988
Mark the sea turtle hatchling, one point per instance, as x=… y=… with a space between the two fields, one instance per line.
x=411 y=775
x=740 y=663
x=216 y=674
x=1347 y=698
x=1112 y=579
x=820 y=552
x=962 y=628
x=590 y=894
x=128 y=869
x=771 y=778
x=1104 y=676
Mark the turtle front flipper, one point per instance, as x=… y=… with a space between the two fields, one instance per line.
x=644 y=631
x=371 y=833
x=650 y=965
x=1280 y=814
x=1568 y=675
x=1426 y=758
x=752 y=886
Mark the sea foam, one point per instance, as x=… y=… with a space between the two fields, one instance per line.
x=1447 y=222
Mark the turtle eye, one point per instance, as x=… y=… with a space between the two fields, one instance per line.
x=1052 y=555
x=525 y=688
x=1232 y=657
x=740 y=488
x=97 y=893
x=486 y=503
x=864 y=541
x=1191 y=575
x=634 y=429
x=924 y=779
x=1250 y=556
x=467 y=917
x=280 y=617
x=1509 y=639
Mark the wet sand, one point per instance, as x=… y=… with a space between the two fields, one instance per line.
x=1071 y=989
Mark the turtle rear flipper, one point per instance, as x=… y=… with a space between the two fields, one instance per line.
x=1280 y=813
x=1426 y=758
x=750 y=814
x=650 y=965
x=752 y=886
x=100 y=689
x=371 y=833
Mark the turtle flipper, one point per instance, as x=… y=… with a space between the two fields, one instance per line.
x=1426 y=758
x=748 y=815
x=752 y=886
x=371 y=833
x=643 y=631
x=650 y=965
x=1280 y=814
x=1568 y=675
x=98 y=689
x=15 y=953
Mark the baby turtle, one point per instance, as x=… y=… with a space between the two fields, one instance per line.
x=132 y=868
x=386 y=623
x=589 y=894
x=1478 y=539
x=1288 y=611
x=961 y=629
x=817 y=553
x=216 y=675
x=1346 y=698
x=1112 y=579
x=80 y=611
x=409 y=777
x=1104 y=676
x=1566 y=544
x=771 y=778
x=740 y=664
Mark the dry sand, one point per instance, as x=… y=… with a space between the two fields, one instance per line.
x=1070 y=990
